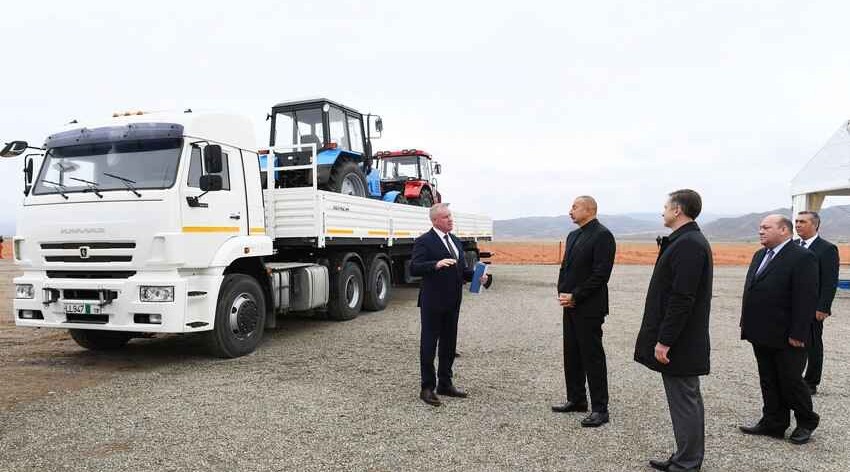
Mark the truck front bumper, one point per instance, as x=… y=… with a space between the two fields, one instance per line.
x=193 y=307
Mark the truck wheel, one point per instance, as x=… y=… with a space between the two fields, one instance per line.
x=378 y=285
x=425 y=198
x=97 y=340
x=240 y=317
x=346 y=297
x=347 y=178
x=471 y=258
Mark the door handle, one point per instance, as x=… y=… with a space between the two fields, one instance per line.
x=235 y=216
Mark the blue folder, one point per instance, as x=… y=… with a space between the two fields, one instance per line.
x=475 y=286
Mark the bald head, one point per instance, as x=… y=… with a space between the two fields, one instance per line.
x=774 y=230
x=583 y=210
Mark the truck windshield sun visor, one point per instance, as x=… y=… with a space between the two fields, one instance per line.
x=114 y=134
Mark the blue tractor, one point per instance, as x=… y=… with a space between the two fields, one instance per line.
x=343 y=140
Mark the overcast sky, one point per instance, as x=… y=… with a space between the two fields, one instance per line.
x=526 y=106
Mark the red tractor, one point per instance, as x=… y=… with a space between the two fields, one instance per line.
x=407 y=176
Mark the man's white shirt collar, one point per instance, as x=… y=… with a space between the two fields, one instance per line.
x=810 y=240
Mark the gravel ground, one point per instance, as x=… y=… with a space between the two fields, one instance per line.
x=322 y=395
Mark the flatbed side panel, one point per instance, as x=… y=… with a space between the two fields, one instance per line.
x=292 y=213
x=409 y=221
x=355 y=217
x=304 y=213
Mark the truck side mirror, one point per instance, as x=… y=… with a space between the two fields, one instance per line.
x=28 y=177
x=210 y=182
x=212 y=159
x=437 y=169
x=379 y=124
x=14 y=148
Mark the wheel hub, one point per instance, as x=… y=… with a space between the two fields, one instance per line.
x=244 y=316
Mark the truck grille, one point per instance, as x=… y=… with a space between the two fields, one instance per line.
x=87 y=294
x=99 y=274
x=83 y=252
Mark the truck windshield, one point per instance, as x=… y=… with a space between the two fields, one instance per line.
x=400 y=168
x=146 y=164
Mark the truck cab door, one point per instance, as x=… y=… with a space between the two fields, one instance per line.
x=217 y=216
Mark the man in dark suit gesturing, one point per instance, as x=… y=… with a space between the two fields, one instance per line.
x=778 y=307
x=583 y=292
x=438 y=259
x=808 y=224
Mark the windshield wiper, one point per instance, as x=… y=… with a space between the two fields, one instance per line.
x=127 y=182
x=92 y=186
x=59 y=188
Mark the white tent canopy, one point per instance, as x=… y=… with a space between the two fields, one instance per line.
x=827 y=173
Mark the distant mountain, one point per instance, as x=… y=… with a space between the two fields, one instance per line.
x=557 y=227
x=835 y=226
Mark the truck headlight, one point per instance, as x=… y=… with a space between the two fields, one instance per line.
x=24 y=291
x=150 y=293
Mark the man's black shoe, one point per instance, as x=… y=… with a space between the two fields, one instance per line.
x=452 y=391
x=570 y=406
x=659 y=465
x=595 y=419
x=760 y=429
x=800 y=435
x=427 y=395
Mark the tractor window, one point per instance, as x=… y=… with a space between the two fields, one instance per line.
x=354 y=133
x=336 y=122
x=284 y=131
x=302 y=126
x=400 y=168
x=425 y=166
x=196 y=169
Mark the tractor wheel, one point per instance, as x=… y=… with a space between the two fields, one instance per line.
x=400 y=199
x=347 y=178
x=425 y=198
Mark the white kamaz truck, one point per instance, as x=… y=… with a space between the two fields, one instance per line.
x=172 y=223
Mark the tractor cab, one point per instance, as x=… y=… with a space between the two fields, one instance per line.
x=408 y=176
x=338 y=136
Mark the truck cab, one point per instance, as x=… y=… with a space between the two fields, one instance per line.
x=335 y=134
x=130 y=224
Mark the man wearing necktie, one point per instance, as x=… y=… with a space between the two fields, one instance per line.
x=778 y=308
x=438 y=259
x=807 y=224
x=583 y=294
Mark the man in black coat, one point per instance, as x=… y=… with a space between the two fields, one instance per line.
x=438 y=259
x=778 y=308
x=808 y=224
x=673 y=337
x=583 y=292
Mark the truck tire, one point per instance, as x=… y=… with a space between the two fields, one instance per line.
x=471 y=258
x=240 y=317
x=378 y=285
x=346 y=297
x=96 y=340
x=425 y=198
x=347 y=178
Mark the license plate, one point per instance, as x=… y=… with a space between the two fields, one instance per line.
x=81 y=309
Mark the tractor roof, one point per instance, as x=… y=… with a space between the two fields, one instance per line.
x=308 y=103
x=402 y=153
